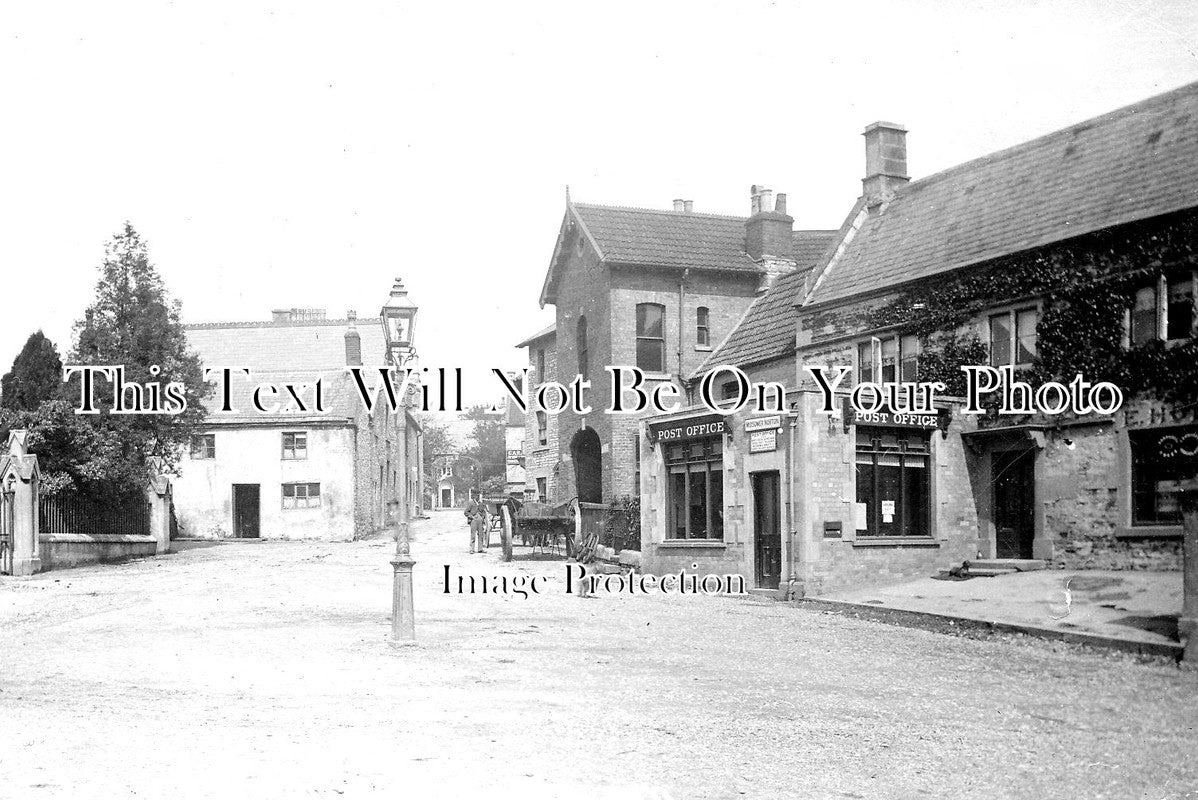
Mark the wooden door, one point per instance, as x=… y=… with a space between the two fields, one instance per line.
x=1013 y=477
x=767 y=530
x=246 y=510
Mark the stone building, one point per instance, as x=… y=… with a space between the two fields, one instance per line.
x=1072 y=253
x=514 y=425
x=656 y=290
x=296 y=473
x=542 y=464
x=445 y=494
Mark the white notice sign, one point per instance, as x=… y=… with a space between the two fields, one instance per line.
x=763 y=423
x=861 y=516
x=763 y=441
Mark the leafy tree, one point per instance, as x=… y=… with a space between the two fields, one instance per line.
x=437 y=441
x=488 y=447
x=36 y=375
x=133 y=322
x=73 y=451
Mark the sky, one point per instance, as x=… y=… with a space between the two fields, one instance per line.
x=278 y=155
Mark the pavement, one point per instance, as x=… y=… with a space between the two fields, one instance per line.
x=265 y=670
x=1126 y=610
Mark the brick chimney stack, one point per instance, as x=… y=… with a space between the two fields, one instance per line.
x=769 y=230
x=885 y=162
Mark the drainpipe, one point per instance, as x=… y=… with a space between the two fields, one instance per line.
x=681 y=288
x=790 y=507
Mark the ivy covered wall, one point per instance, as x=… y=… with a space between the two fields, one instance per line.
x=1086 y=288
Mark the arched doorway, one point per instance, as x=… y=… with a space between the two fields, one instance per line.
x=587 y=454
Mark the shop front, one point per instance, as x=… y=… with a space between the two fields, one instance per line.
x=714 y=495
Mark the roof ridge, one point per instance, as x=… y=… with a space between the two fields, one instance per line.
x=288 y=324
x=1007 y=152
x=662 y=211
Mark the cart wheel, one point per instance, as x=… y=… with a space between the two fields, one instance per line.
x=506 y=532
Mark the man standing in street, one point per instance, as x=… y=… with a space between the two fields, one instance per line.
x=476 y=516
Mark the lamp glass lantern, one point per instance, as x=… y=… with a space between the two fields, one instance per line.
x=399 y=318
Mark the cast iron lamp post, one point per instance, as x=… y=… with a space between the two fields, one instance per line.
x=399 y=318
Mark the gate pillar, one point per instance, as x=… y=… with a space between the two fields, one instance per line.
x=158 y=495
x=19 y=480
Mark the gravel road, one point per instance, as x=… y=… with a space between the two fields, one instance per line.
x=263 y=669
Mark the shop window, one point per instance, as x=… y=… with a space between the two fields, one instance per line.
x=1163 y=310
x=301 y=495
x=203 y=446
x=295 y=445
x=650 y=337
x=583 y=351
x=1013 y=338
x=887 y=359
x=702 y=327
x=894 y=481
x=1160 y=460
x=696 y=489
x=542 y=429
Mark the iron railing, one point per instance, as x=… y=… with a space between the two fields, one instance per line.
x=67 y=513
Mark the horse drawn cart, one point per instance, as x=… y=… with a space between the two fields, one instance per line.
x=540 y=526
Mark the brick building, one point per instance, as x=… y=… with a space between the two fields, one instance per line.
x=653 y=289
x=1076 y=248
x=296 y=474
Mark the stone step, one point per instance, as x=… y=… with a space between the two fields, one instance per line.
x=987 y=572
x=1016 y=564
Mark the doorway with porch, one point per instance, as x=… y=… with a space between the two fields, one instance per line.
x=587 y=454
x=767 y=530
x=1012 y=476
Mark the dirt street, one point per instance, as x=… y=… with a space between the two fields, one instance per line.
x=263 y=669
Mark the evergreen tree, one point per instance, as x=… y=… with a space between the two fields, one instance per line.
x=133 y=322
x=36 y=375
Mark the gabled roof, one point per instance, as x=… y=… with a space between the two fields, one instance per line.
x=303 y=347
x=643 y=237
x=767 y=330
x=1136 y=162
x=542 y=334
x=667 y=238
x=287 y=351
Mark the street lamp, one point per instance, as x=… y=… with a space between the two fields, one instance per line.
x=399 y=318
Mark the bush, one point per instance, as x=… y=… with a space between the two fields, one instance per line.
x=622 y=526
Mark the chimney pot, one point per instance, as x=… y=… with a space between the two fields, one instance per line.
x=780 y=203
x=688 y=206
x=679 y=205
